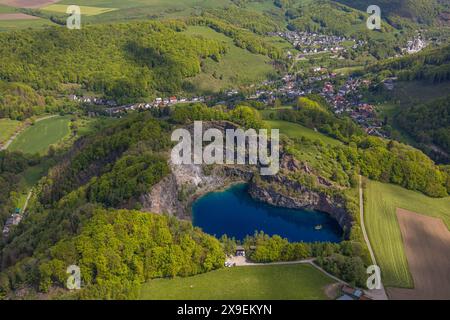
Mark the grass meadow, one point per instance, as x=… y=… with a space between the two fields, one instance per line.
x=38 y=137
x=287 y=282
x=382 y=201
x=237 y=66
x=7 y=129
x=294 y=130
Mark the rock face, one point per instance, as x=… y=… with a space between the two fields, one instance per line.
x=175 y=193
x=300 y=197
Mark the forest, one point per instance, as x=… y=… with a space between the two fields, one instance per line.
x=376 y=158
x=428 y=123
x=124 y=62
x=432 y=65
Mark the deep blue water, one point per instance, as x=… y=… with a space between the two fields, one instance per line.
x=234 y=213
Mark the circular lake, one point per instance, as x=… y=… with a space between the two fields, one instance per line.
x=234 y=213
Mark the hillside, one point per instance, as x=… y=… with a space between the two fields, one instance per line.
x=132 y=54
x=421 y=11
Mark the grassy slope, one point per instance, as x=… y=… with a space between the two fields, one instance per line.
x=294 y=130
x=383 y=229
x=8 y=25
x=85 y=10
x=7 y=129
x=131 y=9
x=6 y=9
x=260 y=282
x=237 y=66
x=40 y=136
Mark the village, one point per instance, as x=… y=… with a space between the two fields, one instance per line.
x=343 y=99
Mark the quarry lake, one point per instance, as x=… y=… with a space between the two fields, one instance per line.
x=234 y=213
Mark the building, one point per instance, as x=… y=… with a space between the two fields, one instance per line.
x=349 y=293
x=240 y=251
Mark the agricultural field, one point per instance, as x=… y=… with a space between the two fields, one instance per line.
x=295 y=130
x=7 y=129
x=237 y=66
x=427 y=242
x=6 y=9
x=8 y=25
x=85 y=10
x=289 y=282
x=38 y=137
x=11 y=19
x=382 y=202
x=140 y=9
x=27 y=3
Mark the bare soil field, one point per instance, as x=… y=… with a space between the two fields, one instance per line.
x=16 y=16
x=27 y=3
x=427 y=247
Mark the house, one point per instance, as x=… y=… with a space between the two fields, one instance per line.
x=240 y=251
x=173 y=99
x=349 y=293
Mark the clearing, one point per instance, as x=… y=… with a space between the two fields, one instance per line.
x=237 y=67
x=382 y=201
x=294 y=130
x=16 y=16
x=38 y=137
x=27 y=3
x=287 y=282
x=427 y=247
x=7 y=129
x=85 y=10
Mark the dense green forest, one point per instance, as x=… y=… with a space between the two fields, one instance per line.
x=118 y=250
x=134 y=143
x=253 y=21
x=12 y=166
x=428 y=123
x=378 y=159
x=421 y=11
x=432 y=65
x=122 y=61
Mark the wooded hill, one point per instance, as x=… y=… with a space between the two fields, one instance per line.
x=122 y=61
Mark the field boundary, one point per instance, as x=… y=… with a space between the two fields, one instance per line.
x=376 y=294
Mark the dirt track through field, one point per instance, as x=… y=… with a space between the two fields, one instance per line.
x=427 y=247
x=16 y=16
x=27 y=3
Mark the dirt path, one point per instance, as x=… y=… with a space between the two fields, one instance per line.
x=26 y=201
x=376 y=294
x=427 y=248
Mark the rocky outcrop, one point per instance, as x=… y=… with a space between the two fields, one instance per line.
x=175 y=193
x=282 y=192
